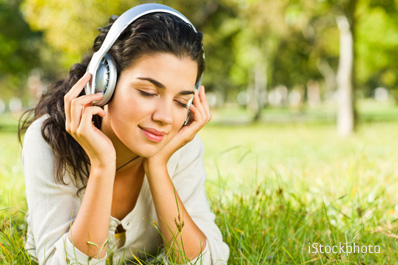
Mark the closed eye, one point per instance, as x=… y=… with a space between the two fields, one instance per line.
x=182 y=104
x=146 y=94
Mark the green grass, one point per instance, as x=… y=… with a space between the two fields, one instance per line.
x=275 y=188
x=12 y=196
x=285 y=186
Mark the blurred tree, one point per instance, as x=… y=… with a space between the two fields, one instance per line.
x=256 y=45
x=377 y=35
x=311 y=50
x=278 y=45
x=346 y=22
x=19 y=50
x=70 y=27
x=366 y=51
x=262 y=27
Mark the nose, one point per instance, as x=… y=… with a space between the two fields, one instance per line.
x=163 y=112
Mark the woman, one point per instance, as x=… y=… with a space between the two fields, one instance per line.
x=125 y=181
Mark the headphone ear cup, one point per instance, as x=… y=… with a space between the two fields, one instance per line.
x=106 y=78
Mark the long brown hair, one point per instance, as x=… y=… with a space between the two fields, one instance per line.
x=158 y=32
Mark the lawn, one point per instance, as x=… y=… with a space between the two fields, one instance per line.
x=279 y=191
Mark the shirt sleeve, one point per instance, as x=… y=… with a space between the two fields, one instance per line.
x=52 y=206
x=189 y=178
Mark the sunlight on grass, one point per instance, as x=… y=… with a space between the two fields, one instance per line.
x=280 y=187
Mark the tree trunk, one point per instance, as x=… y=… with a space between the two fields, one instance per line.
x=328 y=74
x=259 y=90
x=345 y=79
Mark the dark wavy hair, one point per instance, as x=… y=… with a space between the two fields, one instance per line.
x=152 y=33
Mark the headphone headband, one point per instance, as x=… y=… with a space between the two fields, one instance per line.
x=118 y=27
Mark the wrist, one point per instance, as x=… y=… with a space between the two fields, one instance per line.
x=156 y=162
x=102 y=165
x=153 y=165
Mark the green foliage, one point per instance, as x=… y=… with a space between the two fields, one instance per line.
x=70 y=26
x=291 y=39
x=377 y=34
x=19 y=49
x=18 y=44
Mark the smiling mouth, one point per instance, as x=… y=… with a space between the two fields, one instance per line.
x=153 y=135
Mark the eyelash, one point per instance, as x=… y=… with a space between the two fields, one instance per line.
x=145 y=94
x=182 y=105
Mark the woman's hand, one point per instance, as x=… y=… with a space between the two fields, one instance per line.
x=200 y=116
x=170 y=210
x=79 y=112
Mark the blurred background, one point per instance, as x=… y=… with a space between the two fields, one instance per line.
x=286 y=79
x=331 y=61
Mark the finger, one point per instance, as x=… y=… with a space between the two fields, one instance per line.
x=73 y=93
x=200 y=115
x=77 y=108
x=78 y=87
x=86 y=123
x=197 y=115
x=196 y=100
x=87 y=117
x=193 y=127
x=87 y=99
x=198 y=103
x=205 y=104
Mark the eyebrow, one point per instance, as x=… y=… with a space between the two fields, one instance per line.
x=160 y=85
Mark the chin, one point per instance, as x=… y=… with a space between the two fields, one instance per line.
x=147 y=154
x=145 y=150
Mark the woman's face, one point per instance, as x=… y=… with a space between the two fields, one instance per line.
x=149 y=104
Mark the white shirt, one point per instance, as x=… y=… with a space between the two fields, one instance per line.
x=52 y=207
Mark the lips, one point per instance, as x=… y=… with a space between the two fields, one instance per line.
x=152 y=134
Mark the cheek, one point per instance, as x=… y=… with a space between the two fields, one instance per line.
x=128 y=106
x=179 y=120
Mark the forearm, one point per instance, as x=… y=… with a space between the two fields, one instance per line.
x=181 y=235
x=92 y=221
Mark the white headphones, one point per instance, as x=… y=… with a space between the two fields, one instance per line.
x=102 y=66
